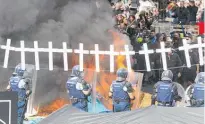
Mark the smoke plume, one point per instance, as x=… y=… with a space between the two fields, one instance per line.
x=71 y=21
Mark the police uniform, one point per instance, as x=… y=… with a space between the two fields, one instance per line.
x=75 y=86
x=197 y=91
x=120 y=90
x=121 y=99
x=165 y=91
x=18 y=84
x=78 y=98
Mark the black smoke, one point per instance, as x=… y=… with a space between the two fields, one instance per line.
x=71 y=21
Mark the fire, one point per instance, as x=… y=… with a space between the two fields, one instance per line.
x=119 y=46
x=120 y=60
x=55 y=105
x=103 y=79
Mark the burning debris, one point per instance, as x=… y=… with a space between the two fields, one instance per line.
x=51 y=107
x=57 y=21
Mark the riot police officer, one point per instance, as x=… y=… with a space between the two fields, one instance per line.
x=78 y=89
x=121 y=92
x=165 y=91
x=196 y=92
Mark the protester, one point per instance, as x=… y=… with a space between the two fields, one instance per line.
x=182 y=14
x=137 y=26
x=193 y=11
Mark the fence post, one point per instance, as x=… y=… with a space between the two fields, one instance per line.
x=94 y=92
x=50 y=47
x=6 y=56
x=22 y=55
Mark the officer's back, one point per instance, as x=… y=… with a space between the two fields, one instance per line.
x=197 y=91
x=72 y=83
x=14 y=81
x=165 y=91
x=78 y=89
x=121 y=92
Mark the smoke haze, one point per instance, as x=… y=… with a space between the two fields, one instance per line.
x=71 y=21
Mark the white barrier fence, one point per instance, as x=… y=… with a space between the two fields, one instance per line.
x=127 y=53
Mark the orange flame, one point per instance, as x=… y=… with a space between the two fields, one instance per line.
x=103 y=81
x=119 y=46
x=53 y=106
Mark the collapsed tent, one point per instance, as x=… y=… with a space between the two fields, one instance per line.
x=149 y=115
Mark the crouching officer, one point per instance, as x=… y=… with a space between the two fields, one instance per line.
x=165 y=91
x=196 y=92
x=23 y=94
x=78 y=89
x=121 y=92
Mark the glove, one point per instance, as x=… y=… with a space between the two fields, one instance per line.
x=79 y=86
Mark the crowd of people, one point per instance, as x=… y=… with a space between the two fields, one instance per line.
x=186 y=12
x=138 y=27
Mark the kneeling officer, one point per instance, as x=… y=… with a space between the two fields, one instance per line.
x=121 y=92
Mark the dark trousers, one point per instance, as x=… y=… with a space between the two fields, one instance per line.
x=22 y=107
x=121 y=106
x=82 y=105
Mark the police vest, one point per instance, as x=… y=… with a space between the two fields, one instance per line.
x=73 y=92
x=198 y=92
x=14 y=81
x=165 y=92
x=118 y=92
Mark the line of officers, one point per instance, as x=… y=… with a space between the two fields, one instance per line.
x=121 y=91
x=165 y=93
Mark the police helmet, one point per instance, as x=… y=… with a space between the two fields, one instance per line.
x=76 y=71
x=19 y=70
x=167 y=75
x=122 y=72
x=200 y=78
